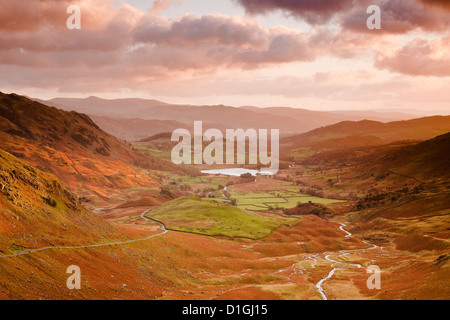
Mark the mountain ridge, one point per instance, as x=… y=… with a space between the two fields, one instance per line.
x=289 y=121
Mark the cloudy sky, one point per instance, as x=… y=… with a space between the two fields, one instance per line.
x=318 y=54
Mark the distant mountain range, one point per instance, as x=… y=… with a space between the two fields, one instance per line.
x=114 y=116
x=136 y=129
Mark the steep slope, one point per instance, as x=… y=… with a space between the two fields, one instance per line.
x=71 y=146
x=44 y=229
x=49 y=126
x=37 y=210
x=429 y=159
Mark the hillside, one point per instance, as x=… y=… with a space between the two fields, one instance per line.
x=426 y=160
x=71 y=146
x=37 y=210
x=317 y=118
x=44 y=228
x=58 y=129
x=135 y=129
x=350 y=134
x=429 y=159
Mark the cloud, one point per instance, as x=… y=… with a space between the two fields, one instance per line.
x=29 y=15
x=398 y=16
x=314 y=12
x=135 y=40
x=124 y=47
x=420 y=57
x=159 y=6
x=440 y=3
x=190 y=31
x=47 y=31
x=212 y=41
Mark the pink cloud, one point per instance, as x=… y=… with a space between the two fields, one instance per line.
x=128 y=48
x=29 y=15
x=159 y=6
x=420 y=57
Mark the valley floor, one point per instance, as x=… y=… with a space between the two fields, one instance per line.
x=305 y=258
x=314 y=259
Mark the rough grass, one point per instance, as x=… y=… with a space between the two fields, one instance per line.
x=209 y=217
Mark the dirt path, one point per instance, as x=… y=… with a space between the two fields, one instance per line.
x=119 y=243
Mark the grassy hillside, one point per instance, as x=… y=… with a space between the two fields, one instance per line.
x=210 y=217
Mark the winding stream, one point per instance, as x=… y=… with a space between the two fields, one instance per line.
x=341 y=253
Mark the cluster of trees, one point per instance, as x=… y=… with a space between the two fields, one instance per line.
x=378 y=199
x=309 y=208
x=328 y=194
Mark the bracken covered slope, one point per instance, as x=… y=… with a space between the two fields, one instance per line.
x=37 y=210
x=71 y=146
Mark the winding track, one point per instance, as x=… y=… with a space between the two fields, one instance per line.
x=163 y=228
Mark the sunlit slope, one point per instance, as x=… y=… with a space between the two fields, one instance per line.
x=38 y=210
x=71 y=146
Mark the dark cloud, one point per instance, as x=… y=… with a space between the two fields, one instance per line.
x=398 y=16
x=191 y=31
x=313 y=11
x=216 y=40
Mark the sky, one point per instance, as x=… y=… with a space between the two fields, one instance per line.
x=317 y=55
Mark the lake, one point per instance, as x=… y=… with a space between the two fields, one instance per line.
x=236 y=172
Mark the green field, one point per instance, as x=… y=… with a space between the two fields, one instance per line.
x=261 y=201
x=210 y=217
x=152 y=150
